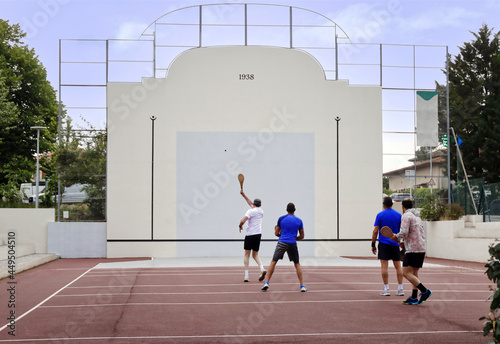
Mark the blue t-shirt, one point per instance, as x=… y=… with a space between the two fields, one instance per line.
x=290 y=226
x=390 y=218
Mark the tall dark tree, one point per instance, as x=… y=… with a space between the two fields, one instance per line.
x=26 y=99
x=475 y=104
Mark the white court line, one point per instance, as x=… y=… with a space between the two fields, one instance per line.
x=47 y=299
x=231 y=336
x=487 y=293
x=255 y=284
x=245 y=303
x=306 y=273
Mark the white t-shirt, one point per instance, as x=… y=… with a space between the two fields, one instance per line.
x=254 y=223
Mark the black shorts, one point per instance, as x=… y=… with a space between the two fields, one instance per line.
x=291 y=249
x=388 y=252
x=413 y=259
x=252 y=242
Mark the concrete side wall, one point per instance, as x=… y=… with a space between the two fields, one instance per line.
x=77 y=239
x=30 y=226
x=443 y=241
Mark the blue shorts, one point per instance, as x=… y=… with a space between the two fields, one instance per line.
x=291 y=249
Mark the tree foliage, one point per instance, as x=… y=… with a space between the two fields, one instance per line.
x=82 y=160
x=491 y=321
x=26 y=99
x=474 y=82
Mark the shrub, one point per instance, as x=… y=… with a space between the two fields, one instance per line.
x=453 y=212
x=493 y=273
x=10 y=192
x=433 y=208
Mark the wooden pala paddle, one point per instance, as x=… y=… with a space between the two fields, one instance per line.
x=386 y=231
x=241 y=179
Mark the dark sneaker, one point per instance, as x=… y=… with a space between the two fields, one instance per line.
x=411 y=301
x=424 y=296
x=262 y=275
x=265 y=286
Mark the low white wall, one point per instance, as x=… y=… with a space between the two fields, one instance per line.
x=77 y=239
x=443 y=241
x=30 y=225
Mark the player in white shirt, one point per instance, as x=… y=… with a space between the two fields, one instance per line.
x=254 y=234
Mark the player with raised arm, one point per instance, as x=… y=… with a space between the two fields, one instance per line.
x=253 y=236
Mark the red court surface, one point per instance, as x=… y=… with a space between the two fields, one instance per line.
x=75 y=301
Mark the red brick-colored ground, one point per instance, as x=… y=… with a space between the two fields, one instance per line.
x=67 y=301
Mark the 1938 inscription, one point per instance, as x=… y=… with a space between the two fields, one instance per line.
x=247 y=77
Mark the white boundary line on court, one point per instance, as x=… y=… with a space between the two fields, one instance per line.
x=259 y=285
x=245 y=303
x=47 y=299
x=229 y=336
x=188 y=293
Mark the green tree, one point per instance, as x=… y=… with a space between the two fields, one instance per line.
x=82 y=160
x=475 y=104
x=26 y=99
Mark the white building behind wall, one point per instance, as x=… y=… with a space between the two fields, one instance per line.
x=266 y=112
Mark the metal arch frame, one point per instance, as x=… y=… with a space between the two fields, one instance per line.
x=146 y=36
x=243 y=4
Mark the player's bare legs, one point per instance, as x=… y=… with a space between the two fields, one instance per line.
x=411 y=274
x=270 y=270
x=399 y=271
x=246 y=259
x=298 y=268
x=255 y=256
x=384 y=265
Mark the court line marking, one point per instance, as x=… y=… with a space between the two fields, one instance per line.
x=240 y=303
x=331 y=334
x=487 y=293
x=47 y=299
x=254 y=284
x=205 y=273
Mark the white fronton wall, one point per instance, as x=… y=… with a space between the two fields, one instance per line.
x=266 y=112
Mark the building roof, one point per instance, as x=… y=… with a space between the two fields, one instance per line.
x=437 y=161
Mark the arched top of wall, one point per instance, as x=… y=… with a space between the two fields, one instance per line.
x=242 y=24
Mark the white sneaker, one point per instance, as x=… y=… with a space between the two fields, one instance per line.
x=246 y=279
x=385 y=292
x=303 y=288
x=400 y=292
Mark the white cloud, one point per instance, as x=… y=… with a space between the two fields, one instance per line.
x=438 y=18
x=130 y=30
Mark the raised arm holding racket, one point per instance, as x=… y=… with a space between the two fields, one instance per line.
x=253 y=232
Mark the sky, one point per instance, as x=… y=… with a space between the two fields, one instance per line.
x=445 y=23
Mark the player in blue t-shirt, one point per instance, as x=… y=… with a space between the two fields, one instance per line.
x=387 y=248
x=287 y=228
